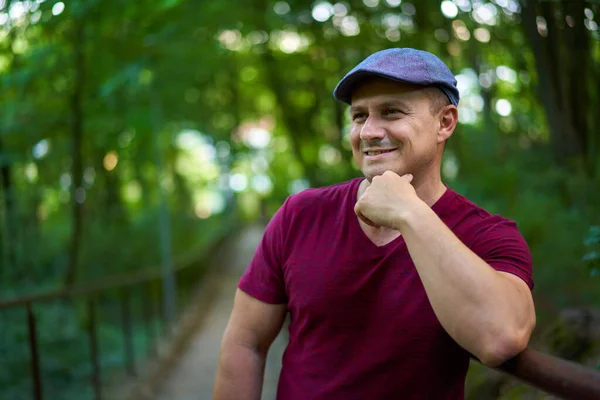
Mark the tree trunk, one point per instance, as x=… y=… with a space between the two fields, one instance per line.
x=113 y=204
x=9 y=233
x=77 y=148
x=139 y=160
x=578 y=98
x=164 y=217
x=553 y=86
x=338 y=114
x=10 y=215
x=183 y=196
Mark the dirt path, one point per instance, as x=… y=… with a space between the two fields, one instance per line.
x=193 y=377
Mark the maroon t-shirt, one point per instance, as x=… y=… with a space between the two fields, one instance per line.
x=361 y=324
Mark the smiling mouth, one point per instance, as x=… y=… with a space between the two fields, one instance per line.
x=378 y=152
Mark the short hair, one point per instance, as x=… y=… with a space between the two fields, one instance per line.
x=437 y=99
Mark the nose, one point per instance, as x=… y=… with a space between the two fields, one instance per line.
x=372 y=129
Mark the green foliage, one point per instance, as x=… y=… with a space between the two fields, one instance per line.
x=592 y=257
x=213 y=106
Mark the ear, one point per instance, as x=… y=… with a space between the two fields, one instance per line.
x=448 y=119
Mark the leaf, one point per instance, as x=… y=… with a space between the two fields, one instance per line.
x=593 y=237
x=591 y=256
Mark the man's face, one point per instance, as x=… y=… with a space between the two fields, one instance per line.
x=393 y=129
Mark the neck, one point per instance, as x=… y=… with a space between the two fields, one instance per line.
x=429 y=190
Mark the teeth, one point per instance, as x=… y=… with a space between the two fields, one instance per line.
x=376 y=153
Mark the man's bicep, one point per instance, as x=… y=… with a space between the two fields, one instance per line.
x=503 y=247
x=254 y=323
x=523 y=297
x=519 y=285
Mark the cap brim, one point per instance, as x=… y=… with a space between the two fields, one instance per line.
x=344 y=89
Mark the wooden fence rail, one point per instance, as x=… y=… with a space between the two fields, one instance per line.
x=147 y=282
x=554 y=375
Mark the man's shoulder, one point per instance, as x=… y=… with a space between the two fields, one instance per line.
x=477 y=219
x=474 y=209
x=322 y=197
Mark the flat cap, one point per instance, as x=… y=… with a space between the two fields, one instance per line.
x=403 y=65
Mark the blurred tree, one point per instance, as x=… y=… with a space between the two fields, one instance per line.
x=77 y=127
x=567 y=66
x=245 y=107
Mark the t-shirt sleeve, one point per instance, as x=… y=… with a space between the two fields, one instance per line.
x=263 y=278
x=503 y=247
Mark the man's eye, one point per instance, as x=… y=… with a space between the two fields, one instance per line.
x=391 y=111
x=358 y=116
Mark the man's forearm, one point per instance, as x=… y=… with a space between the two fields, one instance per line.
x=479 y=307
x=240 y=374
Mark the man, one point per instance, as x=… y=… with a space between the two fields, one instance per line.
x=391 y=281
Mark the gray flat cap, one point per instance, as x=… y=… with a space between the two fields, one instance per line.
x=403 y=65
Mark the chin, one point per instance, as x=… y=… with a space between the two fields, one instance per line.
x=370 y=173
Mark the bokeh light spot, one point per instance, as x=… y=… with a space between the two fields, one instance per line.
x=231 y=39
x=408 y=9
x=391 y=20
x=281 y=7
x=132 y=192
x=340 y=10
x=329 y=155
x=238 y=182
x=542 y=26
x=58 y=8
x=110 y=161
x=506 y=74
x=65 y=180
x=17 y=10
x=591 y=25
x=31 y=172
x=322 y=11
x=589 y=14
x=392 y=35
x=393 y=3
x=262 y=184
x=89 y=176
x=41 y=148
x=441 y=35
x=503 y=107
x=464 y=5
x=460 y=30
x=290 y=42
x=449 y=9
x=482 y=35
x=258 y=138
x=485 y=14
x=298 y=185
x=349 y=26
x=80 y=195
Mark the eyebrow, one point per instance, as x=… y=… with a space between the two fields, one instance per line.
x=383 y=104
